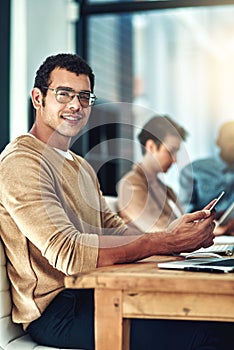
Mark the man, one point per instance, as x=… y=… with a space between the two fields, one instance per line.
x=55 y=222
x=206 y=178
x=143 y=199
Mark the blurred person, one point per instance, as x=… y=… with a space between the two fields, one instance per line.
x=144 y=200
x=206 y=178
x=55 y=222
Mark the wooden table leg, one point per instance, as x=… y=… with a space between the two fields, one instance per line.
x=111 y=333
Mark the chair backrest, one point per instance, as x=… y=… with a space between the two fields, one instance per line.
x=12 y=336
x=9 y=330
x=112 y=201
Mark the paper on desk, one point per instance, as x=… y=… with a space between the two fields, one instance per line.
x=222 y=245
x=223 y=240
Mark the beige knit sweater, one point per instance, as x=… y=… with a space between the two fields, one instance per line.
x=52 y=212
x=145 y=201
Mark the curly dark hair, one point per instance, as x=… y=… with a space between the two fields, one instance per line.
x=157 y=128
x=71 y=62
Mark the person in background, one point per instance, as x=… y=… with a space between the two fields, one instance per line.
x=206 y=178
x=55 y=222
x=143 y=199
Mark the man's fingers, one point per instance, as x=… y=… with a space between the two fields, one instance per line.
x=198 y=215
x=208 y=206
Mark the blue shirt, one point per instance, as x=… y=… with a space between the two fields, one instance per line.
x=203 y=180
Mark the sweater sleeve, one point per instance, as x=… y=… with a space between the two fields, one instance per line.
x=33 y=197
x=112 y=223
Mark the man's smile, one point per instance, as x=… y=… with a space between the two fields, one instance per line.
x=72 y=117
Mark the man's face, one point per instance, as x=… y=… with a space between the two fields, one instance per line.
x=226 y=143
x=166 y=154
x=63 y=119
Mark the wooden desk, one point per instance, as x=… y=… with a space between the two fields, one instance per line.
x=141 y=290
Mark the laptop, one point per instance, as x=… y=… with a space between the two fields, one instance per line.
x=212 y=264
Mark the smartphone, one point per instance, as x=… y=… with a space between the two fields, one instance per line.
x=212 y=208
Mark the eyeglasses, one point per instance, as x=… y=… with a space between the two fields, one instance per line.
x=85 y=98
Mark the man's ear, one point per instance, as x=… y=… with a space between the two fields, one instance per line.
x=150 y=145
x=36 y=96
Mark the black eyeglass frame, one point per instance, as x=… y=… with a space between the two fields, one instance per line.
x=71 y=93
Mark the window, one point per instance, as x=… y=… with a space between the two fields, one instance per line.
x=173 y=61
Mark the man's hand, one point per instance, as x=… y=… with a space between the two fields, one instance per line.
x=186 y=234
x=191 y=232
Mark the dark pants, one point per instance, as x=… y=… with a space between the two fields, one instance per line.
x=68 y=322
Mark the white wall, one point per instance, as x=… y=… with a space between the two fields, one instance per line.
x=38 y=29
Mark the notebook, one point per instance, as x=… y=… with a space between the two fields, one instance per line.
x=212 y=264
